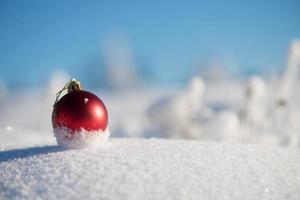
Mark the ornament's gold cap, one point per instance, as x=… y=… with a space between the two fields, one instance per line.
x=74 y=85
x=71 y=86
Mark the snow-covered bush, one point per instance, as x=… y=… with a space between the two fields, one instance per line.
x=174 y=116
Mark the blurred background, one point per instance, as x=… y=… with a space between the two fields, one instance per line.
x=207 y=70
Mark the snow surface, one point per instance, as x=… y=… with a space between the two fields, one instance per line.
x=151 y=169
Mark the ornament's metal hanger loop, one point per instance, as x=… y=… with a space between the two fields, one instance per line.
x=71 y=85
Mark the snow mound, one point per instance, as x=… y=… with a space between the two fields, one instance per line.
x=66 y=137
x=151 y=169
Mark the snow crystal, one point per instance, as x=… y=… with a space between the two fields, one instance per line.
x=151 y=169
x=81 y=138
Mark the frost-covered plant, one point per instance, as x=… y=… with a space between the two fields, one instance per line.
x=174 y=115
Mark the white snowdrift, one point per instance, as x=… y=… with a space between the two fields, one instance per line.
x=151 y=169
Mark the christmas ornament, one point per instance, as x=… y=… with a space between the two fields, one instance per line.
x=79 y=118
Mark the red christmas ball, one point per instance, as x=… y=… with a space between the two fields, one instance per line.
x=80 y=110
x=79 y=118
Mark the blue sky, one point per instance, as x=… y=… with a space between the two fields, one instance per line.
x=37 y=37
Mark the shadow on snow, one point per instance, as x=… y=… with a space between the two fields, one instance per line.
x=27 y=152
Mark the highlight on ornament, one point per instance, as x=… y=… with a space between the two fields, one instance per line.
x=79 y=118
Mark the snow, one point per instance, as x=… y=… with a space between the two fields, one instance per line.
x=256 y=101
x=151 y=169
x=173 y=116
x=68 y=138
